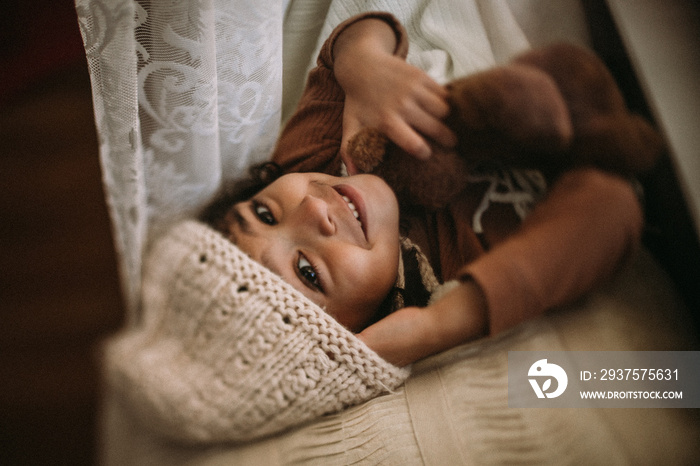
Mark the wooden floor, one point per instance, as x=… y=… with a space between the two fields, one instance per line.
x=59 y=292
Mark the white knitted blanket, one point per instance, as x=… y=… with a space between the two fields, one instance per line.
x=454 y=408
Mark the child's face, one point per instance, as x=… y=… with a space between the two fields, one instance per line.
x=334 y=239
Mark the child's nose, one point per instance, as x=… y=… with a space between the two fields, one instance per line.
x=315 y=213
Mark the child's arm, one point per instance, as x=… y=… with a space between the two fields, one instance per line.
x=413 y=333
x=587 y=227
x=578 y=236
x=365 y=54
x=384 y=92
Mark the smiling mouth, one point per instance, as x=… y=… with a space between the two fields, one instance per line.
x=353 y=209
x=355 y=205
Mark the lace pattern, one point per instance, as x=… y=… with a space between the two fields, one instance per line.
x=186 y=96
x=229 y=352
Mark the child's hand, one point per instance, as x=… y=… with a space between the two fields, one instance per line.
x=413 y=333
x=382 y=91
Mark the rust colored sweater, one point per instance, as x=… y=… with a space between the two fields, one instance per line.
x=578 y=235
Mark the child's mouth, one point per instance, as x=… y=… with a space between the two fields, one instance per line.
x=355 y=204
x=353 y=209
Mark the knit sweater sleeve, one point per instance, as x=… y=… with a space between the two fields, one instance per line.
x=311 y=139
x=575 y=238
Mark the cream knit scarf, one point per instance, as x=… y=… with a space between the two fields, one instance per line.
x=229 y=352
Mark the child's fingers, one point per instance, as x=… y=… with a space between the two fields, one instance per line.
x=434 y=100
x=433 y=108
x=406 y=137
x=410 y=133
x=433 y=128
x=435 y=87
x=424 y=112
x=442 y=134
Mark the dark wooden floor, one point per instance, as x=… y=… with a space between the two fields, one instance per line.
x=59 y=292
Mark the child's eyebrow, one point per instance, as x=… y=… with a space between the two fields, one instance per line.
x=246 y=228
x=241 y=221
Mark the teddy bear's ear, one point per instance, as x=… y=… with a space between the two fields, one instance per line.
x=516 y=104
x=367 y=149
x=607 y=134
x=622 y=143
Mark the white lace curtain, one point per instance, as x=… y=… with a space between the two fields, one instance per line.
x=186 y=95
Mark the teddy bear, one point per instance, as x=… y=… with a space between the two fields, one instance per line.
x=550 y=108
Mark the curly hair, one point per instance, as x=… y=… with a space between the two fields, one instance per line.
x=260 y=176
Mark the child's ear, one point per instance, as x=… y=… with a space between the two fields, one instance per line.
x=518 y=103
x=367 y=149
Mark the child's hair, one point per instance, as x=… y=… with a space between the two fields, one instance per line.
x=260 y=176
x=416 y=279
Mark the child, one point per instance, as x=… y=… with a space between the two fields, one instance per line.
x=576 y=237
x=228 y=351
x=335 y=239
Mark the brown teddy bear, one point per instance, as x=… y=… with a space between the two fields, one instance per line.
x=550 y=109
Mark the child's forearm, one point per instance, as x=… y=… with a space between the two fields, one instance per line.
x=461 y=315
x=413 y=333
x=360 y=46
x=578 y=236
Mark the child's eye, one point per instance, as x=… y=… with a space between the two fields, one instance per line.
x=308 y=273
x=263 y=213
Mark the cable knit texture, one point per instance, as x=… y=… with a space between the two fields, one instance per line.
x=228 y=351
